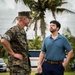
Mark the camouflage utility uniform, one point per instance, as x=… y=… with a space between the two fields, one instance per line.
x=17 y=38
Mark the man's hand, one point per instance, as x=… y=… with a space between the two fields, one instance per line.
x=64 y=64
x=39 y=69
x=69 y=55
x=19 y=56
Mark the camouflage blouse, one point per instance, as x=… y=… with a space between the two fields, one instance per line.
x=17 y=38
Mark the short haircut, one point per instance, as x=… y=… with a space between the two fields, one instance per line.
x=57 y=23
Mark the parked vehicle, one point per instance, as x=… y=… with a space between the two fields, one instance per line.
x=3 y=66
x=34 y=57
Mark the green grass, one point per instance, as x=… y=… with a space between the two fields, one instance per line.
x=5 y=60
x=66 y=73
x=4 y=73
x=8 y=73
x=69 y=73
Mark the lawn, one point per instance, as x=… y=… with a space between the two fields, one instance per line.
x=69 y=73
x=8 y=73
x=66 y=73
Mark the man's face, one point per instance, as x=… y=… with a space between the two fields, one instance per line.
x=53 y=28
x=26 y=21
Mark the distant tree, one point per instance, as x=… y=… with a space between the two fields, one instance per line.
x=35 y=44
x=71 y=38
x=66 y=32
x=2 y=50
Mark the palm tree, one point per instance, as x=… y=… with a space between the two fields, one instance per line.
x=55 y=7
x=35 y=21
x=40 y=7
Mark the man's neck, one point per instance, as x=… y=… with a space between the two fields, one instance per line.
x=54 y=35
x=21 y=25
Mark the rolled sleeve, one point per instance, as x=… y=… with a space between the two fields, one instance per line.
x=9 y=34
x=6 y=37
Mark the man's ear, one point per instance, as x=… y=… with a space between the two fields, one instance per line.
x=58 y=28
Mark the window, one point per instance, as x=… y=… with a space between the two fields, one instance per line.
x=34 y=53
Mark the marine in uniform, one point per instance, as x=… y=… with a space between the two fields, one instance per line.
x=15 y=42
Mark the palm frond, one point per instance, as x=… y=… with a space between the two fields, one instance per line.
x=16 y=1
x=60 y=10
x=55 y=3
x=43 y=3
x=60 y=3
x=53 y=14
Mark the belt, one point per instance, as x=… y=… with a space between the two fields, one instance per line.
x=53 y=62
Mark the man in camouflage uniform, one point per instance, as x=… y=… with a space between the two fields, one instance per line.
x=15 y=42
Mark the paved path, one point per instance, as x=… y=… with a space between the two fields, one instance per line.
x=34 y=69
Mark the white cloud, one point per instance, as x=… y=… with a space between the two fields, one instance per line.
x=21 y=7
x=10 y=4
x=71 y=3
x=6 y=4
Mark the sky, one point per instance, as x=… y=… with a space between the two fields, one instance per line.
x=9 y=10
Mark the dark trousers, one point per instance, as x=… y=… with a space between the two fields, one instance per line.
x=52 y=69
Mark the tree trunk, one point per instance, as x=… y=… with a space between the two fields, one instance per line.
x=43 y=27
x=35 y=28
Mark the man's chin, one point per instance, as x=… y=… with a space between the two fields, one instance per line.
x=26 y=25
x=52 y=31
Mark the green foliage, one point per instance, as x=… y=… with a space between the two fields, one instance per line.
x=71 y=40
x=2 y=51
x=35 y=44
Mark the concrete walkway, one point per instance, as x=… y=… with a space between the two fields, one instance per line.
x=34 y=70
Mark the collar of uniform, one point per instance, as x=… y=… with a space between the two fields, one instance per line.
x=19 y=26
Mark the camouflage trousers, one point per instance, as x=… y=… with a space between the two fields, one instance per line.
x=18 y=71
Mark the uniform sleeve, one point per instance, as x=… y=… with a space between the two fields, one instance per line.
x=9 y=34
x=67 y=45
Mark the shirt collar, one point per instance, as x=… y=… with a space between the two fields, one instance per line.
x=59 y=36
